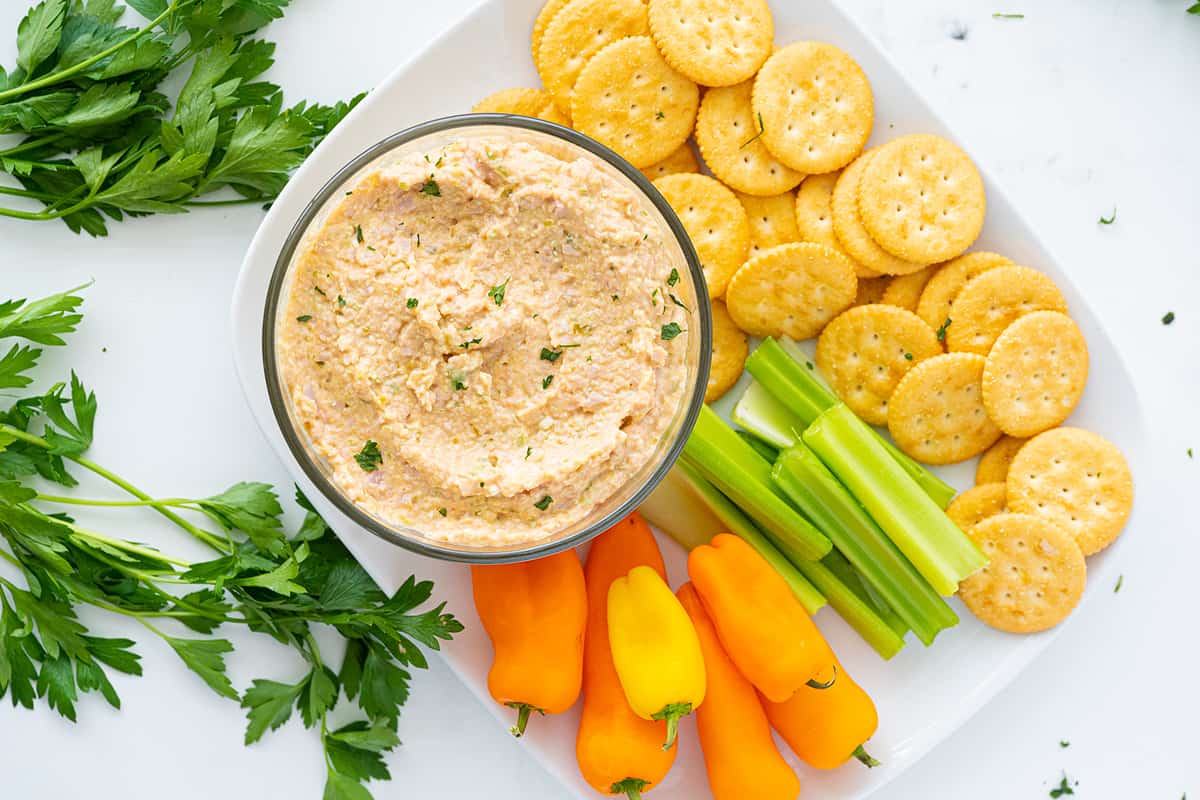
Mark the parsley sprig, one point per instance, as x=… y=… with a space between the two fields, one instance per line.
x=273 y=580
x=99 y=138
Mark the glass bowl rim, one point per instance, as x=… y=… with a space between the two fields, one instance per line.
x=308 y=462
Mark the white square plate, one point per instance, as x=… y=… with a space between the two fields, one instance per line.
x=923 y=694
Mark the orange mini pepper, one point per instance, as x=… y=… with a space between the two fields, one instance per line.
x=762 y=625
x=618 y=751
x=535 y=613
x=826 y=727
x=740 y=755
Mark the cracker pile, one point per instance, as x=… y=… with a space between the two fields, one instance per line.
x=802 y=231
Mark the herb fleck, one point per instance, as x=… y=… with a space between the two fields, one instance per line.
x=528 y=452
x=458 y=383
x=673 y=278
x=1063 y=788
x=411 y=302
x=431 y=188
x=304 y=318
x=908 y=356
x=319 y=291
x=442 y=511
x=418 y=240
x=755 y=136
x=544 y=503
x=1120 y=580
x=550 y=355
x=341 y=301
x=372 y=249
x=1168 y=318
x=1064 y=744
x=1190 y=452
x=1010 y=16
x=670 y=331
x=546 y=381
x=470 y=342
x=677 y=302
x=369 y=458
x=941 y=332
x=1109 y=220
x=616 y=298
x=358 y=233
x=497 y=291
x=660 y=115
x=809 y=364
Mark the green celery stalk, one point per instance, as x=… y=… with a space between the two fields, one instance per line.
x=800 y=398
x=674 y=509
x=734 y=521
x=928 y=538
x=767 y=451
x=809 y=484
x=738 y=471
x=845 y=572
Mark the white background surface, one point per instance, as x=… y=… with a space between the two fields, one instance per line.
x=1078 y=107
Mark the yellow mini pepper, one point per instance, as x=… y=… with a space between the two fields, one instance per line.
x=655 y=649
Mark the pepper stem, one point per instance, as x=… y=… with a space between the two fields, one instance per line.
x=630 y=787
x=523 y=710
x=862 y=755
x=671 y=712
x=816 y=684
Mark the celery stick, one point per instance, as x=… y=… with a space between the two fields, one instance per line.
x=762 y=448
x=745 y=476
x=928 y=538
x=845 y=572
x=735 y=522
x=810 y=485
x=788 y=379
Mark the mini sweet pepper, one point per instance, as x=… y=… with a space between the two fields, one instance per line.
x=655 y=649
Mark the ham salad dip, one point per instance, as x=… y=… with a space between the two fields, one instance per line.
x=484 y=341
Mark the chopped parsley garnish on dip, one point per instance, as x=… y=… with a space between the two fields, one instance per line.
x=670 y=331
x=497 y=291
x=319 y=291
x=369 y=458
x=358 y=233
x=546 y=381
x=677 y=302
x=304 y=318
x=470 y=342
x=341 y=301
x=550 y=355
x=411 y=302
x=673 y=278
x=544 y=503
x=458 y=383
x=431 y=188
x=442 y=511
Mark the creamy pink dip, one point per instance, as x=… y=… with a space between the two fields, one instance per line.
x=478 y=341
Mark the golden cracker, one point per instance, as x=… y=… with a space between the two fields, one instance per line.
x=870 y=290
x=523 y=101
x=682 y=160
x=977 y=504
x=936 y=414
x=849 y=228
x=1035 y=373
x=865 y=352
x=715 y=222
x=991 y=302
x=937 y=298
x=921 y=198
x=713 y=42
x=579 y=31
x=993 y=464
x=729 y=138
x=816 y=106
x=791 y=290
x=904 y=291
x=730 y=348
x=1035 y=576
x=631 y=100
x=544 y=16
x=1077 y=479
x=814 y=219
x=772 y=221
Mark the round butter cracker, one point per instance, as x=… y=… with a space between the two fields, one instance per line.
x=730 y=140
x=993 y=465
x=814 y=217
x=937 y=298
x=523 y=101
x=580 y=30
x=991 y=302
x=682 y=160
x=791 y=290
x=936 y=414
x=715 y=222
x=772 y=222
x=816 y=105
x=849 y=227
x=977 y=504
x=544 y=16
x=865 y=352
x=921 y=198
x=730 y=348
x=904 y=291
x=1035 y=576
x=1035 y=373
x=1077 y=479
x=631 y=100
x=713 y=42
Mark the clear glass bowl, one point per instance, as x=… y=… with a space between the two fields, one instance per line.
x=557 y=140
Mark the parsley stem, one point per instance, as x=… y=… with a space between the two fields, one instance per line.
x=128 y=547
x=31 y=144
x=45 y=198
x=83 y=501
x=88 y=63
x=239 y=201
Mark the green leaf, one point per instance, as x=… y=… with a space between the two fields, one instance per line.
x=56 y=682
x=377 y=738
x=39 y=33
x=340 y=787
x=355 y=762
x=116 y=653
x=384 y=686
x=42 y=321
x=278 y=580
x=352 y=666
x=17 y=670
x=252 y=508
x=94 y=166
x=153 y=184
x=101 y=104
x=318 y=693
x=262 y=150
x=203 y=610
x=270 y=706
x=72 y=436
x=92 y=678
x=150 y=9
x=56 y=624
x=15 y=364
x=34 y=113
x=206 y=657
x=348 y=586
